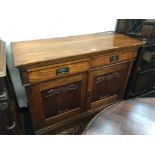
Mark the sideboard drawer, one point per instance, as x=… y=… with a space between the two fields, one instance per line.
x=54 y=71
x=113 y=58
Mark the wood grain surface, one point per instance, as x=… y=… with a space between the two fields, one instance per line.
x=29 y=53
x=2 y=59
x=65 y=77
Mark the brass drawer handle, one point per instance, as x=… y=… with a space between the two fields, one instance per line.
x=61 y=71
x=114 y=58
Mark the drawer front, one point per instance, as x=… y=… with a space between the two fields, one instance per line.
x=51 y=72
x=113 y=58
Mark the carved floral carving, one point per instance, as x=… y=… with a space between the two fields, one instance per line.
x=61 y=90
x=107 y=77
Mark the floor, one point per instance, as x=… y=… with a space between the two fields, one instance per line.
x=27 y=123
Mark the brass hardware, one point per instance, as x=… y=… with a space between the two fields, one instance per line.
x=61 y=71
x=114 y=58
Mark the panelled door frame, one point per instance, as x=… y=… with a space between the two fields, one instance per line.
x=36 y=104
x=107 y=70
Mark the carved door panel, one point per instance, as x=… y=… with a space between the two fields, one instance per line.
x=106 y=85
x=58 y=99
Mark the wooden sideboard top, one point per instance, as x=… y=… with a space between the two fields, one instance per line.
x=2 y=59
x=35 y=52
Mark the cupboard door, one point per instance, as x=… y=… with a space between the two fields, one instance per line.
x=107 y=85
x=142 y=82
x=152 y=81
x=56 y=100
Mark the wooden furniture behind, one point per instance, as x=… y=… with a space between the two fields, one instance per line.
x=68 y=80
x=9 y=117
x=130 y=117
x=142 y=78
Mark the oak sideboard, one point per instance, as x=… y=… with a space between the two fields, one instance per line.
x=70 y=79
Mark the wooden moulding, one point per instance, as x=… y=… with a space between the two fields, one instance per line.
x=28 y=54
